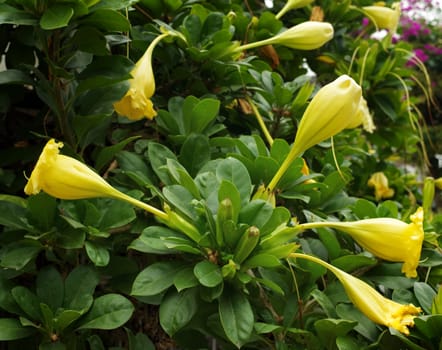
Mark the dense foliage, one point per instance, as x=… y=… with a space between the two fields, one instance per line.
x=218 y=175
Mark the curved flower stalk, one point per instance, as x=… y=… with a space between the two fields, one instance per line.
x=291 y=5
x=334 y=108
x=372 y=304
x=136 y=103
x=379 y=181
x=308 y=35
x=384 y=17
x=387 y=238
x=67 y=178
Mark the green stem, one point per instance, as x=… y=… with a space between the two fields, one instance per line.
x=253 y=45
x=158 y=213
x=260 y=120
x=282 y=169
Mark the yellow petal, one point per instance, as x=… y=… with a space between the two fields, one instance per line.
x=384 y=17
x=372 y=304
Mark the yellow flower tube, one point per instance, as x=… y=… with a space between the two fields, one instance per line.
x=308 y=35
x=372 y=304
x=387 y=238
x=379 y=181
x=384 y=17
x=291 y=5
x=334 y=108
x=136 y=103
x=67 y=178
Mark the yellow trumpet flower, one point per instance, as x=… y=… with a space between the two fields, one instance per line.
x=384 y=17
x=308 y=35
x=291 y=5
x=334 y=108
x=387 y=238
x=372 y=304
x=380 y=183
x=136 y=103
x=438 y=183
x=67 y=178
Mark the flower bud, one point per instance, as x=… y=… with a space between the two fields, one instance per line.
x=384 y=17
x=334 y=108
x=308 y=35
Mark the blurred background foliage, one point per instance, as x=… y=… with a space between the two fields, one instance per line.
x=97 y=274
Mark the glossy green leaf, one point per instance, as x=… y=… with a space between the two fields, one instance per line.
x=177 y=309
x=11 y=329
x=108 y=312
x=28 y=302
x=425 y=295
x=12 y=15
x=155 y=278
x=50 y=287
x=56 y=16
x=98 y=254
x=208 y=274
x=16 y=255
x=195 y=152
x=107 y=19
x=79 y=288
x=233 y=170
x=185 y=279
x=236 y=316
x=139 y=341
x=328 y=329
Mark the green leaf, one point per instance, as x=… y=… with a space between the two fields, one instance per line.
x=195 y=152
x=7 y=301
x=425 y=295
x=436 y=307
x=106 y=154
x=66 y=318
x=208 y=274
x=180 y=198
x=177 y=309
x=17 y=254
x=11 y=15
x=140 y=341
x=158 y=155
x=236 y=316
x=27 y=301
x=98 y=254
x=107 y=19
x=42 y=210
x=256 y=212
x=14 y=76
x=233 y=170
x=50 y=287
x=11 y=329
x=329 y=329
x=204 y=112
x=109 y=311
x=79 y=288
x=14 y=216
x=154 y=239
x=56 y=16
x=349 y=263
x=156 y=278
x=365 y=327
x=185 y=279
